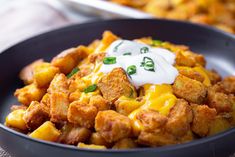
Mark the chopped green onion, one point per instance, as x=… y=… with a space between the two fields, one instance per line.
x=156 y=43
x=74 y=71
x=109 y=60
x=148 y=64
x=127 y=53
x=90 y=88
x=144 y=50
x=131 y=70
x=116 y=47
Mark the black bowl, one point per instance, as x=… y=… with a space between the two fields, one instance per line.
x=217 y=46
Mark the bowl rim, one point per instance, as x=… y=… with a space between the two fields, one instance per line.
x=158 y=149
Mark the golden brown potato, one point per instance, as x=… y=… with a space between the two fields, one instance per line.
x=15 y=119
x=126 y=143
x=82 y=114
x=97 y=139
x=151 y=119
x=112 y=126
x=47 y=131
x=213 y=76
x=26 y=74
x=203 y=116
x=43 y=73
x=157 y=138
x=189 y=136
x=201 y=18
x=72 y=134
x=59 y=104
x=69 y=58
x=229 y=84
x=179 y=119
x=218 y=100
x=59 y=84
x=116 y=84
x=17 y=107
x=191 y=73
x=96 y=57
x=74 y=96
x=77 y=84
x=218 y=125
x=132 y=3
x=99 y=102
x=59 y=98
x=189 y=89
x=107 y=39
x=90 y=146
x=36 y=115
x=29 y=93
x=46 y=100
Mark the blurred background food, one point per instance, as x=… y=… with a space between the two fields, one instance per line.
x=25 y=18
x=218 y=13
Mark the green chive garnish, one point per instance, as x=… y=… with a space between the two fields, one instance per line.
x=131 y=70
x=127 y=53
x=74 y=71
x=144 y=50
x=109 y=60
x=116 y=47
x=156 y=43
x=90 y=88
x=148 y=64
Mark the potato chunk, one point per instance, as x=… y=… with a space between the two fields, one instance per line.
x=126 y=143
x=151 y=119
x=72 y=134
x=90 y=146
x=180 y=118
x=29 y=93
x=43 y=74
x=116 y=84
x=112 y=126
x=107 y=39
x=96 y=57
x=59 y=104
x=160 y=138
x=82 y=114
x=46 y=131
x=69 y=58
x=15 y=119
x=26 y=74
x=191 y=73
x=218 y=125
x=99 y=102
x=59 y=84
x=202 y=119
x=229 y=84
x=35 y=115
x=220 y=101
x=97 y=139
x=189 y=89
x=59 y=98
x=213 y=76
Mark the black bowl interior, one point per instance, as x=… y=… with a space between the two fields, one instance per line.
x=218 y=47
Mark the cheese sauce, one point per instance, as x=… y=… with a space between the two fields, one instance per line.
x=142 y=63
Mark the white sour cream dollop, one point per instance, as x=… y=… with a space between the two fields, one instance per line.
x=152 y=65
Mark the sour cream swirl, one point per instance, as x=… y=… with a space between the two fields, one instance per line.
x=142 y=63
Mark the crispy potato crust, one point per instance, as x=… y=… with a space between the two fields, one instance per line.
x=112 y=126
x=116 y=84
